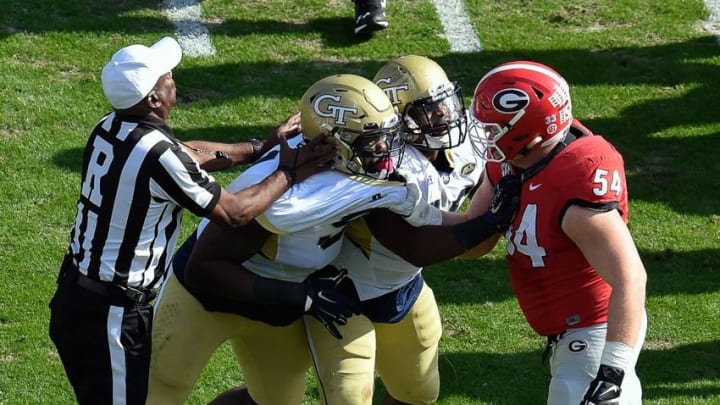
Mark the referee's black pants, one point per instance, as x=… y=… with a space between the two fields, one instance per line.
x=104 y=345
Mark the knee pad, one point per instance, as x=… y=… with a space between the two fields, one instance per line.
x=161 y=392
x=421 y=394
x=566 y=390
x=348 y=390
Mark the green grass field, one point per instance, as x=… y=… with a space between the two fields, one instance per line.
x=643 y=72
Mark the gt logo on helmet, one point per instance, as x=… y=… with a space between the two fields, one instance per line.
x=392 y=91
x=510 y=100
x=335 y=111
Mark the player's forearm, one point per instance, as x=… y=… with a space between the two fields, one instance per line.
x=232 y=281
x=439 y=243
x=278 y=292
x=429 y=245
x=626 y=330
x=426 y=245
x=626 y=311
x=482 y=248
x=452 y=218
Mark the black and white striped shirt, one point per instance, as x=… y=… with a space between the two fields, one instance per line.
x=135 y=182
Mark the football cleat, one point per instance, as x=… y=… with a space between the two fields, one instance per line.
x=369 y=16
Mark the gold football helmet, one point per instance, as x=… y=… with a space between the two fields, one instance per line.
x=432 y=107
x=359 y=115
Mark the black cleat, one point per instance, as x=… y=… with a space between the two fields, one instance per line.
x=370 y=16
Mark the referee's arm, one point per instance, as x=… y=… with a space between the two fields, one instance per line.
x=214 y=156
x=295 y=165
x=242 y=207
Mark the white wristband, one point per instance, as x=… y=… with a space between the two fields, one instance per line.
x=308 y=303
x=617 y=354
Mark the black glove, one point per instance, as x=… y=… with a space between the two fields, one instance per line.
x=503 y=207
x=327 y=304
x=605 y=388
x=505 y=202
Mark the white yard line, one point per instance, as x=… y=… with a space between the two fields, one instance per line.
x=459 y=31
x=712 y=24
x=192 y=35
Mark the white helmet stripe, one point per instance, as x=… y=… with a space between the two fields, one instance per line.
x=527 y=66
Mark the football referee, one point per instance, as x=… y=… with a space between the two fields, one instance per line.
x=136 y=180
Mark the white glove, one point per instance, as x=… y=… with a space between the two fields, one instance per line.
x=425 y=214
x=417 y=211
x=412 y=199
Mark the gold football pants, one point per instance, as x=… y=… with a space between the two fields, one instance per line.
x=405 y=355
x=273 y=360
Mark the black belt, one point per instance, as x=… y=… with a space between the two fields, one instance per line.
x=552 y=341
x=69 y=274
x=104 y=288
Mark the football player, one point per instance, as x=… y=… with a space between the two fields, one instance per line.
x=399 y=331
x=252 y=285
x=574 y=267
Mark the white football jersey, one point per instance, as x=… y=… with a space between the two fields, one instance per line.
x=375 y=269
x=467 y=168
x=308 y=220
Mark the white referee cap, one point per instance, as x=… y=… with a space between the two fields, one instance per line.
x=132 y=72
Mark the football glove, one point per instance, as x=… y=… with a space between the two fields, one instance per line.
x=605 y=388
x=505 y=202
x=415 y=210
x=503 y=207
x=327 y=304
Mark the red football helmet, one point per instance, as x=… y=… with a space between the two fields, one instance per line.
x=521 y=105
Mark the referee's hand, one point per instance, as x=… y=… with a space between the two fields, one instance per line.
x=287 y=129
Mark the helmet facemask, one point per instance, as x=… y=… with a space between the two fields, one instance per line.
x=375 y=153
x=436 y=122
x=493 y=137
x=478 y=138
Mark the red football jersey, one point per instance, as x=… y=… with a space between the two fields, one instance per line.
x=555 y=286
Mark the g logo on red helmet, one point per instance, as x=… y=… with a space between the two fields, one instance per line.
x=510 y=101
